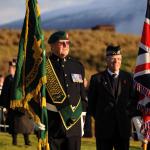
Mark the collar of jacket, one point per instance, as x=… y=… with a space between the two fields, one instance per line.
x=56 y=58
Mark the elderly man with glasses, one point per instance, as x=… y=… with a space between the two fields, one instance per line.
x=65 y=94
x=111 y=98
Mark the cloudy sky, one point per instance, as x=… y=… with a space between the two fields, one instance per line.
x=12 y=10
x=15 y=9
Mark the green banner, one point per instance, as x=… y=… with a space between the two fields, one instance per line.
x=30 y=77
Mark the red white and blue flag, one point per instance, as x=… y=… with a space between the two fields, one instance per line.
x=142 y=75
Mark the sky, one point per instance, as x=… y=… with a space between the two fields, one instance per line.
x=12 y=10
x=15 y=9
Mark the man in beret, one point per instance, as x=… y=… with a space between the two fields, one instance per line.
x=65 y=94
x=110 y=101
x=2 y=110
x=12 y=114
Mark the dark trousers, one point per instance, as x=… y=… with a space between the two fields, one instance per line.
x=70 y=143
x=26 y=139
x=88 y=126
x=109 y=144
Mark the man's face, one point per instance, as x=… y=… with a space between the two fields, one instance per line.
x=12 y=70
x=114 y=62
x=60 y=48
x=1 y=80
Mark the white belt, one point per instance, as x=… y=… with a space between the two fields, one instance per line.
x=51 y=107
x=83 y=115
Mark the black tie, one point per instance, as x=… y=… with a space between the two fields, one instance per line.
x=114 y=75
x=114 y=83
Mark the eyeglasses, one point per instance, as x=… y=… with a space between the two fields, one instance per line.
x=63 y=43
x=116 y=58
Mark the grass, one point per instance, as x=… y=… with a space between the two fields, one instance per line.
x=87 y=143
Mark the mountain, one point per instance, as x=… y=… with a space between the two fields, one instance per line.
x=127 y=16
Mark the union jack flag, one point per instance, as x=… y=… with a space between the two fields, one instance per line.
x=142 y=75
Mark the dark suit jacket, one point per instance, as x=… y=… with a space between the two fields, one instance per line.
x=112 y=114
x=74 y=90
x=6 y=91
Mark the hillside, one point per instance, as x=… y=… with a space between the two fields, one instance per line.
x=87 y=45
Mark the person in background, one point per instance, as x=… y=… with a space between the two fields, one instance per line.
x=2 y=110
x=111 y=96
x=6 y=98
x=88 y=119
x=65 y=95
x=1 y=82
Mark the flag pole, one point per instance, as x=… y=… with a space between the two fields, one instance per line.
x=145 y=146
x=145 y=142
x=25 y=45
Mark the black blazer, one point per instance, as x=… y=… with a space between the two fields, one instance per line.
x=111 y=113
x=6 y=91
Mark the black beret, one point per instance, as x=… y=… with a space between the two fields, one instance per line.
x=113 y=50
x=12 y=63
x=59 y=35
x=14 y=60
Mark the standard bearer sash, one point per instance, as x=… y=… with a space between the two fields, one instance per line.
x=54 y=88
x=69 y=114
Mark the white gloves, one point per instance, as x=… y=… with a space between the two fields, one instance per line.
x=4 y=109
x=40 y=126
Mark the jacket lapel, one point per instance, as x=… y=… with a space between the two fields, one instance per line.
x=106 y=82
x=119 y=84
